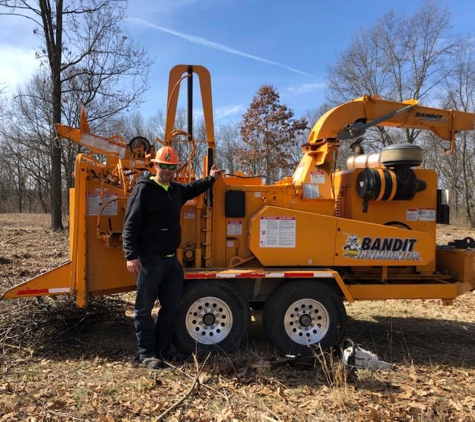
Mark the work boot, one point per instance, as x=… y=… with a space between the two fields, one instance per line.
x=169 y=355
x=153 y=363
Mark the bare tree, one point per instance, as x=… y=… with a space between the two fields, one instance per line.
x=398 y=58
x=269 y=133
x=228 y=144
x=89 y=56
x=25 y=133
x=459 y=94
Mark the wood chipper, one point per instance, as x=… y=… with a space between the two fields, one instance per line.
x=298 y=248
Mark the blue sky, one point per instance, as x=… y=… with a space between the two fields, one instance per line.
x=243 y=43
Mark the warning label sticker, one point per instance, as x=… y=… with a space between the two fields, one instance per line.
x=189 y=215
x=277 y=232
x=310 y=191
x=426 y=214
x=411 y=214
x=420 y=214
x=234 y=228
x=317 y=176
x=94 y=203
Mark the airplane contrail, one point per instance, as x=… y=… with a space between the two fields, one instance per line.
x=216 y=46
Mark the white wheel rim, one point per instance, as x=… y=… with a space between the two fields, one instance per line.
x=306 y=321
x=209 y=320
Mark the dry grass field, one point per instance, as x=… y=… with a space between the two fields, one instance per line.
x=60 y=363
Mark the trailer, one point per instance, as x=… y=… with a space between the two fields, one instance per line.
x=298 y=249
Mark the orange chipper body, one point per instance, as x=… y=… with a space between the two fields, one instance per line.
x=299 y=248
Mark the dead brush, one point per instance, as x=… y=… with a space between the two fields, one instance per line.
x=242 y=364
x=332 y=369
x=45 y=325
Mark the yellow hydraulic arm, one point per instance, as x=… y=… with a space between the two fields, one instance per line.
x=350 y=120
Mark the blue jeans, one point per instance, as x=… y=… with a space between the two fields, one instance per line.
x=160 y=278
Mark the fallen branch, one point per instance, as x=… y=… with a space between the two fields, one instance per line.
x=9 y=240
x=178 y=369
x=187 y=394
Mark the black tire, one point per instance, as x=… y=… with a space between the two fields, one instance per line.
x=213 y=317
x=302 y=316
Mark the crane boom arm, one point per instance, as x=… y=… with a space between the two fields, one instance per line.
x=351 y=119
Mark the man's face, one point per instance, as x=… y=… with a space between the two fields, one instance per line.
x=164 y=175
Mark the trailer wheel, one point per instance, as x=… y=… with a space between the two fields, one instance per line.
x=302 y=315
x=213 y=317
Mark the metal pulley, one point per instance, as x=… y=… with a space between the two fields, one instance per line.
x=139 y=146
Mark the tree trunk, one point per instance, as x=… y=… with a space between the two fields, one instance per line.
x=56 y=197
x=53 y=39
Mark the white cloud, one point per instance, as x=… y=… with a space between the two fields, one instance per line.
x=222 y=112
x=305 y=88
x=202 y=41
x=17 y=65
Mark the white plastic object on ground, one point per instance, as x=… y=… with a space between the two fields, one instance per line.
x=356 y=357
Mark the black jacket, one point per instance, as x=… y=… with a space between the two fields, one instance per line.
x=152 y=219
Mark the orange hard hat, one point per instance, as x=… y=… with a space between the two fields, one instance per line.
x=166 y=155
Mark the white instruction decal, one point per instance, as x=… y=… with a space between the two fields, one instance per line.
x=277 y=232
x=411 y=214
x=310 y=191
x=426 y=214
x=94 y=205
x=234 y=228
x=317 y=176
x=189 y=215
x=421 y=214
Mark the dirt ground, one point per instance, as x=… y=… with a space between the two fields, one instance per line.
x=60 y=363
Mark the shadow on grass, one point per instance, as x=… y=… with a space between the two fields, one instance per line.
x=416 y=340
x=60 y=330
x=404 y=340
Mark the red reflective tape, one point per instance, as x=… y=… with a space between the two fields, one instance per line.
x=32 y=292
x=306 y=274
x=199 y=276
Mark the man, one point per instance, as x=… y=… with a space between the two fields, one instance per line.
x=151 y=237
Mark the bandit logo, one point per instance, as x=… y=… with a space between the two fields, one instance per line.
x=383 y=248
x=429 y=116
x=352 y=246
